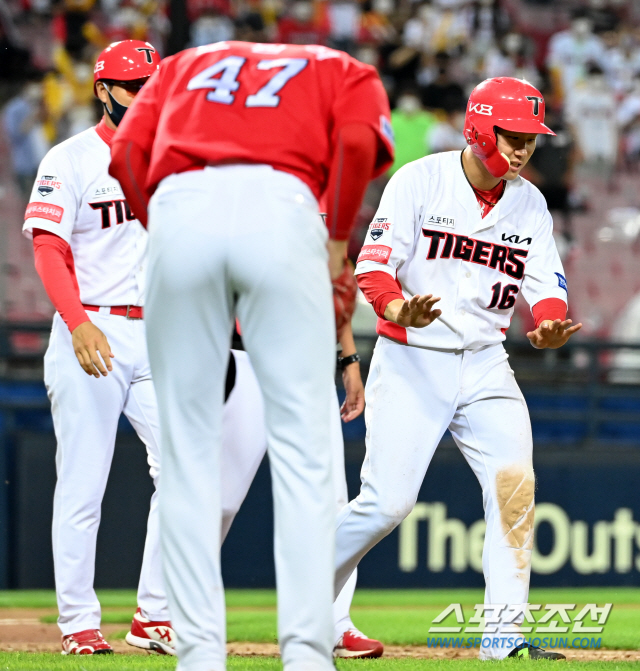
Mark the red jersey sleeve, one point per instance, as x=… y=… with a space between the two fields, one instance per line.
x=362 y=99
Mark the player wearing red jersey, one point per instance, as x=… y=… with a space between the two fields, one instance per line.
x=235 y=142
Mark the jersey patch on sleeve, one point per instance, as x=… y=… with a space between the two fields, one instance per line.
x=378 y=227
x=47 y=184
x=378 y=253
x=387 y=130
x=45 y=211
x=562 y=282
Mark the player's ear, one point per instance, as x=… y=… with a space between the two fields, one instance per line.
x=101 y=91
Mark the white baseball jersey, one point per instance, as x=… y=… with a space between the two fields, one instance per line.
x=592 y=111
x=429 y=234
x=75 y=197
x=571 y=56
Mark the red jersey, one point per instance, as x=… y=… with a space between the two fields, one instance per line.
x=239 y=102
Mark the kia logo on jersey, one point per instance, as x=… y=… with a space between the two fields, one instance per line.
x=515 y=238
x=47 y=184
x=376 y=233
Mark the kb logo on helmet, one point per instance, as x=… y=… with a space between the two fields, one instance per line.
x=479 y=108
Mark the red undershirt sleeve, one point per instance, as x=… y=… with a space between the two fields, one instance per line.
x=379 y=288
x=351 y=171
x=549 y=308
x=130 y=165
x=54 y=264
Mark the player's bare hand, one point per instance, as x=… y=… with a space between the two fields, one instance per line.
x=92 y=349
x=552 y=334
x=337 y=254
x=417 y=312
x=354 y=402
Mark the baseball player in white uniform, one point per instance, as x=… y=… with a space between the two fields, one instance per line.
x=464 y=231
x=90 y=252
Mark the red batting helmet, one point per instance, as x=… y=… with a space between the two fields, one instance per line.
x=125 y=61
x=505 y=102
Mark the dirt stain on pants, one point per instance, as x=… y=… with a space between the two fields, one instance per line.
x=515 y=488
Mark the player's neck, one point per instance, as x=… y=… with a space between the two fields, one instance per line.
x=108 y=123
x=476 y=173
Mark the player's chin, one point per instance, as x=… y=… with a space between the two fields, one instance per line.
x=514 y=171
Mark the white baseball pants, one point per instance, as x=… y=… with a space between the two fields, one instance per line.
x=85 y=412
x=413 y=395
x=244 y=443
x=247 y=241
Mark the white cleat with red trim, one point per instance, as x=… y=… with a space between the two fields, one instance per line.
x=353 y=644
x=156 y=637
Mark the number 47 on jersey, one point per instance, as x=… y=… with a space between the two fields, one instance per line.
x=222 y=80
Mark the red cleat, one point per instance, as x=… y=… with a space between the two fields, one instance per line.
x=156 y=637
x=353 y=644
x=87 y=642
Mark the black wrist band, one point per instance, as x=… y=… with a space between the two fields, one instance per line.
x=345 y=361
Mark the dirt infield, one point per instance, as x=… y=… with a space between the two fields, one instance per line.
x=22 y=631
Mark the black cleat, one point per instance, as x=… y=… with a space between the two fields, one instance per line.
x=526 y=651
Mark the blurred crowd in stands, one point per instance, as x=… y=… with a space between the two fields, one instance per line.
x=584 y=55
x=430 y=54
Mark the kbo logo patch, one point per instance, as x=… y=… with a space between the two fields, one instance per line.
x=47 y=184
x=479 y=108
x=562 y=282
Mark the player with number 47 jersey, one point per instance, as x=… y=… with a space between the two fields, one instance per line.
x=231 y=145
x=272 y=104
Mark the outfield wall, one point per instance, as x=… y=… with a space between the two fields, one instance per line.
x=588 y=521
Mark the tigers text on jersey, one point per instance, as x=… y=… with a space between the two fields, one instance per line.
x=274 y=104
x=429 y=233
x=75 y=197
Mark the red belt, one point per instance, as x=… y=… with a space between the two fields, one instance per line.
x=128 y=311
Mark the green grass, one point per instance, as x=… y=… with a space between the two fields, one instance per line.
x=397 y=617
x=41 y=598
x=264 y=598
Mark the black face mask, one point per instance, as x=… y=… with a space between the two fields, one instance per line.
x=118 y=110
